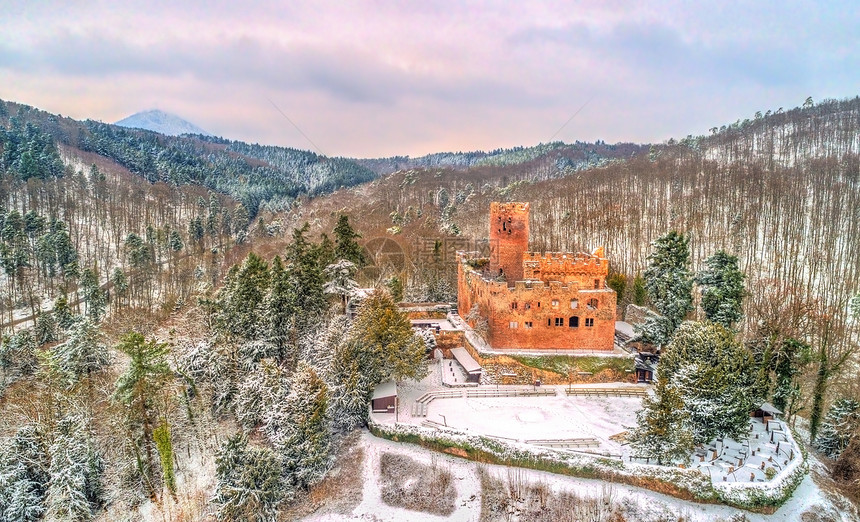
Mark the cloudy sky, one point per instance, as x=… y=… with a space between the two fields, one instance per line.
x=381 y=78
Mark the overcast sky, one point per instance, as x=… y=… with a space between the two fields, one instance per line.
x=372 y=79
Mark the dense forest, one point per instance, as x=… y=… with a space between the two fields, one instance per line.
x=578 y=156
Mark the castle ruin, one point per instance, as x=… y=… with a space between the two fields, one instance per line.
x=550 y=301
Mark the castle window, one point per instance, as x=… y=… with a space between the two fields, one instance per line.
x=574 y=304
x=559 y=321
x=538 y=304
x=528 y=306
x=528 y=324
x=592 y=304
x=589 y=321
x=514 y=305
x=573 y=322
x=597 y=284
x=555 y=303
x=512 y=324
x=548 y=321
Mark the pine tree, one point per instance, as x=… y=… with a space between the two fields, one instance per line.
x=299 y=429
x=74 y=490
x=386 y=332
x=258 y=392
x=306 y=278
x=61 y=311
x=24 y=462
x=323 y=345
x=175 y=241
x=354 y=372
x=395 y=288
x=249 y=485
x=280 y=313
x=46 y=329
x=340 y=281
x=139 y=389
x=668 y=278
x=663 y=427
x=618 y=282
x=84 y=353
x=839 y=428
x=722 y=286
x=715 y=376
x=120 y=284
x=18 y=355
x=346 y=246
x=241 y=300
x=93 y=295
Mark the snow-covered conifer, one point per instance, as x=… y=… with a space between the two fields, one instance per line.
x=280 y=312
x=84 y=353
x=46 y=328
x=663 y=427
x=722 y=286
x=341 y=282
x=258 y=391
x=715 y=376
x=318 y=348
x=249 y=485
x=839 y=427
x=668 y=279
x=298 y=428
x=24 y=462
x=74 y=489
x=351 y=381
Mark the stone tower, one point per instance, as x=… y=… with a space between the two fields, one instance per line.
x=509 y=239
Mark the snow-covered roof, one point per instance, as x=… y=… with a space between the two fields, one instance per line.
x=465 y=359
x=385 y=389
x=769 y=408
x=644 y=363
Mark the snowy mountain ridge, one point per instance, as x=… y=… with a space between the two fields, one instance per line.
x=162 y=122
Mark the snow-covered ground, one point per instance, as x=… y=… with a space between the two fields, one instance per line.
x=561 y=416
x=529 y=418
x=649 y=505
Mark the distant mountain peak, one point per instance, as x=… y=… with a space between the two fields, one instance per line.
x=162 y=122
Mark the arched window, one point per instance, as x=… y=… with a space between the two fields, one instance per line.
x=592 y=304
x=574 y=304
x=573 y=322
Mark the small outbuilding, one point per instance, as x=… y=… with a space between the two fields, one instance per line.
x=469 y=364
x=766 y=412
x=646 y=365
x=384 y=398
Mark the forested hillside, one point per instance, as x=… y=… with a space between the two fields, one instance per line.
x=780 y=190
x=258 y=177
x=565 y=156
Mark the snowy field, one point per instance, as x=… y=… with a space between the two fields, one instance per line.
x=555 y=417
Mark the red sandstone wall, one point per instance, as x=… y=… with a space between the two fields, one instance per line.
x=509 y=239
x=535 y=305
x=586 y=270
x=564 y=277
